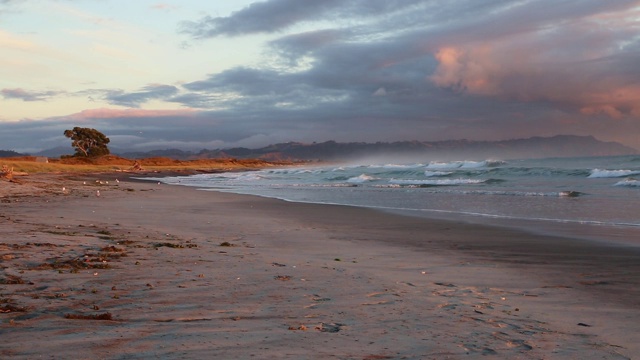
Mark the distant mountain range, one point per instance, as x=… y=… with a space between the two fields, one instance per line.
x=534 y=147
x=9 y=153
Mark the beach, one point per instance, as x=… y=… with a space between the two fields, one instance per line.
x=128 y=269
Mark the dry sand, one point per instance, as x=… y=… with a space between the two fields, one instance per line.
x=141 y=272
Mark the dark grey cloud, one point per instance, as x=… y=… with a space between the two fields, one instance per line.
x=398 y=70
x=135 y=99
x=301 y=43
x=476 y=69
x=259 y=17
x=26 y=95
x=374 y=120
x=276 y=15
x=196 y=100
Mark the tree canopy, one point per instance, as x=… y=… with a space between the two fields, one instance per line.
x=88 y=142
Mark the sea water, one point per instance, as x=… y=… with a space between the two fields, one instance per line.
x=592 y=197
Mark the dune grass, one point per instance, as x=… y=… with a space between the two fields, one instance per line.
x=30 y=166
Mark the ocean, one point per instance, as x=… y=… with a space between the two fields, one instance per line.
x=595 y=198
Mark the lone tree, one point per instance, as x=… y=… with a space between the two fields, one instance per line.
x=88 y=142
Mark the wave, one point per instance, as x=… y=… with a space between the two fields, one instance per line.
x=444 y=166
x=361 y=179
x=339 y=178
x=338 y=185
x=598 y=173
x=248 y=176
x=443 y=182
x=465 y=164
x=428 y=173
x=396 y=166
x=538 y=172
x=628 y=183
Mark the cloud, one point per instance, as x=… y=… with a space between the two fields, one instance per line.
x=581 y=65
x=198 y=101
x=105 y=113
x=133 y=128
x=163 y=7
x=295 y=47
x=268 y=16
x=418 y=66
x=277 y=15
x=25 y=95
x=380 y=92
x=373 y=70
x=135 y=99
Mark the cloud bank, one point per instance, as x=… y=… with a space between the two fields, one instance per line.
x=373 y=70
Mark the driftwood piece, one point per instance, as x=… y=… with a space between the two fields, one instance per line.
x=136 y=166
x=6 y=172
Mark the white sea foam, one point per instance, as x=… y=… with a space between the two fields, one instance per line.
x=361 y=179
x=473 y=164
x=628 y=182
x=249 y=176
x=442 y=182
x=599 y=173
x=465 y=164
x=396 y=166
x=530 y=189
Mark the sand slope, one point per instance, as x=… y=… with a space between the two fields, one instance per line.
x=150 y=262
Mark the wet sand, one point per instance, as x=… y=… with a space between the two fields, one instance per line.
x=147 y=270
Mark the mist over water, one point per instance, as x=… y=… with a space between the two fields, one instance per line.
x=594 y=197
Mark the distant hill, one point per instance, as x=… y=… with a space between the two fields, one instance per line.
x=169 y=153
x=535 y=147
x=9 y=153
x=56 y=151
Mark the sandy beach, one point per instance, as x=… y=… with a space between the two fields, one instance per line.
x=94 y=268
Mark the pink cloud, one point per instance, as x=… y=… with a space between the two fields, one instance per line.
x=104 y=113
x=163 y=6
x=580 y=66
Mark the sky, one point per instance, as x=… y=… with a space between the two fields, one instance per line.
x=196 y=74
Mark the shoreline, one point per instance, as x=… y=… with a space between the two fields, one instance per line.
x=368 y=282
x=601 y=233
x=620 y=233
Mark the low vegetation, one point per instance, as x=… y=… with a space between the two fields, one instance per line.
x=111 y=163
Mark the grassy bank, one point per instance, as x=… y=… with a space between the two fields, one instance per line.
x=111 y=163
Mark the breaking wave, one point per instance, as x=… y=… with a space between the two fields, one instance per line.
x=361 y=179
x=428 y=173
x=443 y=182
x=598 y=173
x=628 y=183
x=466 y=164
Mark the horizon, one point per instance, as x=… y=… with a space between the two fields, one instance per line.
x=196 y=75
x=401 y=153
